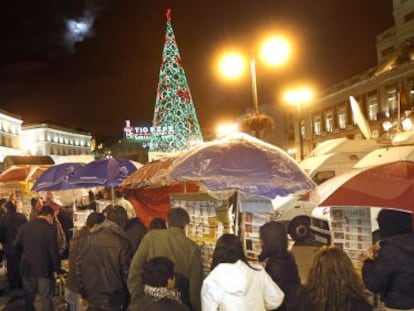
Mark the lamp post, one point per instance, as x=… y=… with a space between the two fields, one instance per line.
x=297 y=97
x=275 y=51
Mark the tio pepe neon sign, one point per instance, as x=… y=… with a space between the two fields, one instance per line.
x=144 y=133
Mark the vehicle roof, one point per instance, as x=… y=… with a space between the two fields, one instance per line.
x=386 y=155
x=344 y=145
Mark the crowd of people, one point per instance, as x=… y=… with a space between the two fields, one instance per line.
x=115 y=263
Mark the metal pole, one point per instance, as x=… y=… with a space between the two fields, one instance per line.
x=254 y=84
x=300 y=132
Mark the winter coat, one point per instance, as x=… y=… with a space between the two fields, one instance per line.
x=391 y=273
x=9 y=226
x=175 y=245
x=148 y=303
x=73 y=255
x=37 y=242
x=102 y=265
x=236 y=286
x=135 y=230
x=302 y=302
x=280 y=263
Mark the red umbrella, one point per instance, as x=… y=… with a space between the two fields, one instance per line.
x=389 y=185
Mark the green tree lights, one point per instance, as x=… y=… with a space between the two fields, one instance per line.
x=174 y=105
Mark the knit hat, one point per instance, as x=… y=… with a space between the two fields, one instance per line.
x=392 y=222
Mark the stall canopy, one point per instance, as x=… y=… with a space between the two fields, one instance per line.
x=241 y=162
x=22 y=173
x=150 y=203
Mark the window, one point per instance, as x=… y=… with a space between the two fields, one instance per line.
x=329 y=122
x=302 y=129
x=317 y=127
x=392 y=102
x=342 y=118
x=372 y=108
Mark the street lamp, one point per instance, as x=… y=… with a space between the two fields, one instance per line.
x=226 y=129
x=275 y=51
x=297 y=97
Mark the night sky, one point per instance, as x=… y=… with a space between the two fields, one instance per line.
x=96 y=79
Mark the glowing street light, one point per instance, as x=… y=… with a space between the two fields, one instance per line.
x=297 y=97
x=232 y=65
x=274 y=51
x=226 y=129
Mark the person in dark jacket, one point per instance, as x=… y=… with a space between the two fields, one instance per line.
x=332 y=285
x=66 y=221
x=135 y=230
x=280 y=263
x=102 y=265
x=133 y=227
x=160 y=293
x=37 y=243
x=9 y=226
x=390 y=272
x=72 y=293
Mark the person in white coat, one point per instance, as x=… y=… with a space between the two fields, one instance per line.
x=236 y=284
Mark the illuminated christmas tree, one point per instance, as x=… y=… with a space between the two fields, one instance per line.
x=175 y=123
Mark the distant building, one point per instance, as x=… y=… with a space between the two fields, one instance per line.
x=10 y=128
x=54 y=140
x=384 y=93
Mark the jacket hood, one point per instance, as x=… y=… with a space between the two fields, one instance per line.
x=274 y=238
x=405 y=242
x=233 y=278
x=111 y=227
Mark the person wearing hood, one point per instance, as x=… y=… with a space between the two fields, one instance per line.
x=280 y=263
x=236 y=284
x=102 y=265
x=390 y=272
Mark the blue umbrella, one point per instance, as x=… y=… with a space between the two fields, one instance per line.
x=55 y=176
x=241 y=162
x=108 y=172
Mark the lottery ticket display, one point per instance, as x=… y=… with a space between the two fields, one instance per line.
x=351 y=228
x=209 y=219
x=255 y=212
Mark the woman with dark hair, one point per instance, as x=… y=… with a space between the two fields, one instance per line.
x=9 y=226
x=280 y=263
x=332 y=285
x=236 y=284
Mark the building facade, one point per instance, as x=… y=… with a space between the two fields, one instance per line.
x=384 y=93
x=48 y=139
x=40 y=139
x=10 y=129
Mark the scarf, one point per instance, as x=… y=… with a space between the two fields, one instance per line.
x=159 y=293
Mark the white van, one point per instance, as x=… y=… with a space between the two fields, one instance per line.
x=335 y=156
x=320 y=216
x=329 y=158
